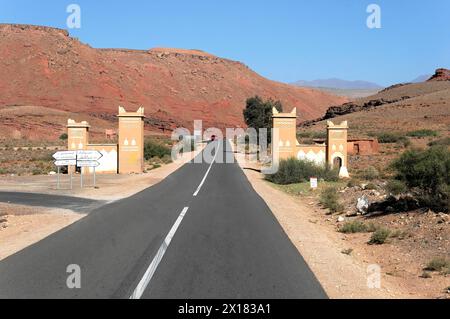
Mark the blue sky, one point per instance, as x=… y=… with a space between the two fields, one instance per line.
x=284 y=40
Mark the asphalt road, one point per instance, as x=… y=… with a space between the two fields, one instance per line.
x=79 y=205
x=164 y=242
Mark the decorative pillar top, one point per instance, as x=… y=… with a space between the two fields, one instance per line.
x=277 y=114
x=73 y=124
x=343 y=125
x=124 y=113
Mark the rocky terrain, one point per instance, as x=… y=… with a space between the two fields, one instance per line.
x=55 y=76
x=399 y=108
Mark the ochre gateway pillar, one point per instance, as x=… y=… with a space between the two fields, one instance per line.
x=131 y=141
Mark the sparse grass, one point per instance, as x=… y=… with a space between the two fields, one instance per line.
x=347 y=252
x=25 y=162
x=371 y=187
x=380 y=236
x=356 y=226
x=423 y=133
x=353 y=182
x=370 y=173
x=441 y=142
x=329 y=198
x=426 y=275
x=372 y=228
x=304 y=189
x=399 y=234
x=438 y=264
x=353 y=227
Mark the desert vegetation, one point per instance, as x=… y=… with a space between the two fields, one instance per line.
x=427 y=174
x=292 y=171
x=26 y=161
x=258 y=113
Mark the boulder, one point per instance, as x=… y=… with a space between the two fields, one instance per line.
x=363 y=205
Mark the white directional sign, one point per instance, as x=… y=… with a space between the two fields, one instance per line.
x=88 y=164
x=65 y=155
x=66 y=162
x=89 y=155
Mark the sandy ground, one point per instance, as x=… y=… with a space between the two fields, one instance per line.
x=22 y=226
x=25 y=226
x=342 y=276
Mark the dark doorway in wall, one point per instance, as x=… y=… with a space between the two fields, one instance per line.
x=337 y=163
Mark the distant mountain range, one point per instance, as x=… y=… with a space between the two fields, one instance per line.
x=339 y=84
x=422 y=78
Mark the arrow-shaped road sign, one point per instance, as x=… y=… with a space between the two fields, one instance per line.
x=88 y=163
x=65 y=155
x=89 y=155
x=66 y=162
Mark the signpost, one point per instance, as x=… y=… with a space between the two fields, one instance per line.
x=64 y=158
x=65 y=155
x=88 y=159
x=89 y=155
x=80 y=159
x=66 y=162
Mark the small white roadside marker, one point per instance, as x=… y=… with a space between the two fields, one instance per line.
x=142 y=286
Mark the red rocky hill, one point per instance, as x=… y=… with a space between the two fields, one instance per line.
x=46 y=68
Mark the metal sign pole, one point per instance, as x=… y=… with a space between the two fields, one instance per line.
x=58 y=178
x=94 y=177
x=71 y=180
x=81 y=176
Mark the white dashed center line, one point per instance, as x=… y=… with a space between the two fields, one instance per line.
x=207 y=172
x=142 y=286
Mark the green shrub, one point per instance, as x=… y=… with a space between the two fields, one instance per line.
x=428 y=171
x=390 y=138
x=37 y=171
x=371 y=228
x=292 y=171
x=155 y=149
x=380 y=236
x=423 y=133
x=353 y=227
x=166 y=159
x=353 y=182
x=371 y=187
x=319 y=135
x=370 y=173
x=301 y=135
x=441 y=142
x=438 y=264
x=396 y=187
x=329 y=198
